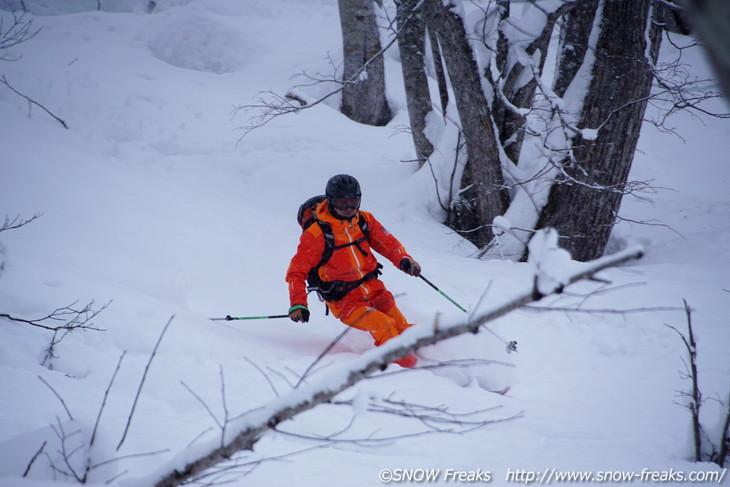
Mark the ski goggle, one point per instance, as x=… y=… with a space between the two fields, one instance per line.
x=346 y=203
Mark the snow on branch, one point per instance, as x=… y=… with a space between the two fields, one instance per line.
x=246 y=430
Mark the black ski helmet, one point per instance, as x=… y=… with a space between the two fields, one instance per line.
x=342 y=186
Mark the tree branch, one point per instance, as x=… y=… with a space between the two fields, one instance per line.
x=32 y=101
x=141 y=382
x=253 y=426
x=17 y=222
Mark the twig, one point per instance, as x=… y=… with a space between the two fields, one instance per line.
x=203 y=403
x=141 y=383
x=30 y=100
x=17 y=222
x=696 y=395
x=225 y=406
x=17 y=33
x=32 y=460
x=271 y=384
x=325 y=352
x=79 y=318
x=101 y=410
x=63 y=403
x=725 y=436
x=602 y=311
x=106 y=395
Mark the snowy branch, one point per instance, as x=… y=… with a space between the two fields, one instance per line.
x=246 y=431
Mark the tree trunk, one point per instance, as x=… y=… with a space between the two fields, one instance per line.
x=483 y=171
x=363 y=98
x=511 y=125
x=710 y=19
x=412 y=43
x=574 y=37
x=584 y=207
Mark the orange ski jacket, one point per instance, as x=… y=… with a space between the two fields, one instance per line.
x=346 y=264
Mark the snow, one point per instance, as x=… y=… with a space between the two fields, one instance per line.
x=153 y=202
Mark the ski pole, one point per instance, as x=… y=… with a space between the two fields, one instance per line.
x=442 y=293
x=231 y=318
x=510 y=346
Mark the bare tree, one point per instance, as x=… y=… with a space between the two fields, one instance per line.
x=412 y=46
x=582 y=129
x=483 y=174
x=584 y=209
x=705 y=448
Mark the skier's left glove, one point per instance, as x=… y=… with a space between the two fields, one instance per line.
x=410 y=266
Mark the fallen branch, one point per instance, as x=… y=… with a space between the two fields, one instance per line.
x=247 y=430
x=73 y=319
x=33 y=102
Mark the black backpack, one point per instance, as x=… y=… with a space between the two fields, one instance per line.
x=331 y=290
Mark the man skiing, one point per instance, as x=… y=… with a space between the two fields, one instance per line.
x=348 y=278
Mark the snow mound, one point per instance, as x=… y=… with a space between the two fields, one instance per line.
x=197 y=40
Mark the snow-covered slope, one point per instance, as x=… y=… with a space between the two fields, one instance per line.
x=153 y=203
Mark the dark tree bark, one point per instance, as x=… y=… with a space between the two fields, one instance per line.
x=574 y=43
x=412 y=43
x=710 y=19
x=511 y=124
x=584 y=207
x=483 y=171
x=363 y=98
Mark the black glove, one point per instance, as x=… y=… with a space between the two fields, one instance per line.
x=299 y=312
x=410 y=266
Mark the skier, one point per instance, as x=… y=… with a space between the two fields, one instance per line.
x=348 y=278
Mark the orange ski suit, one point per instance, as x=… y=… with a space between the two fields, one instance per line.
x=369 y=307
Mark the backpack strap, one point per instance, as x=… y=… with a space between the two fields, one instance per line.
x=329 y=239
x=329 y=242
x=336 y=290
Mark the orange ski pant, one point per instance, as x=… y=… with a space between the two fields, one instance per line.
x=370 y=307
